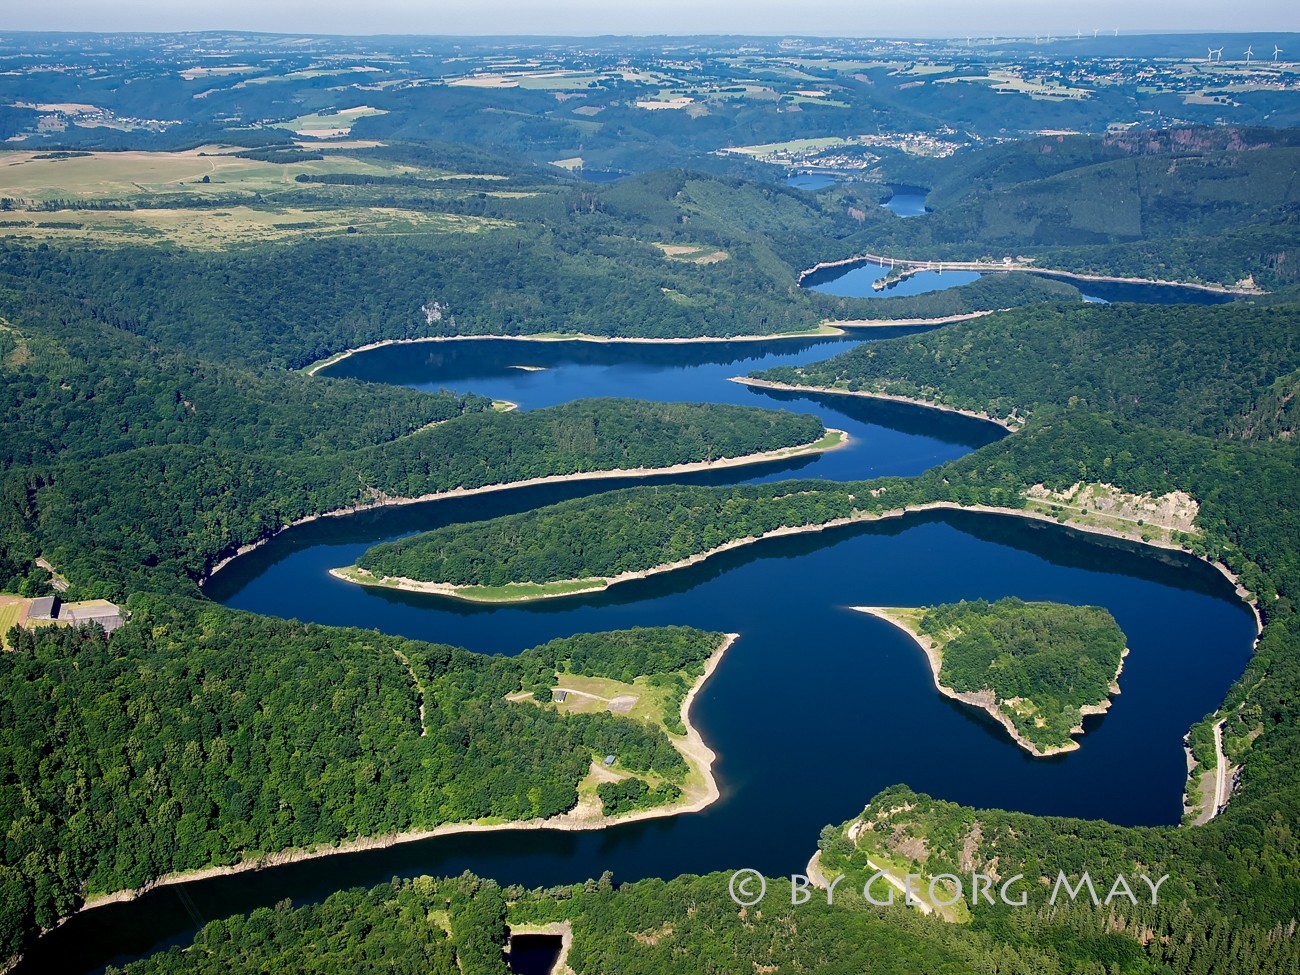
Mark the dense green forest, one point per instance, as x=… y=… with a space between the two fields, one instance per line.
x=195 y=505
x=630 y=530
x=1229 y=913
x=200 y=735
x=134 y=465
x=1220 y=371
x=1051 y=658
x=153 y=425
x=687 y=924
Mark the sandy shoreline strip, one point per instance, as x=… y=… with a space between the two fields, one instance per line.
x=763 y=457
x=911 y=400
x=697 y=753
x=825 y=330
x=985 y=700
x=906 y=322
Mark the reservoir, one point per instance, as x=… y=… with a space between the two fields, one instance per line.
x=857 y=282
x=815 y=708
x=811 y=182
x=907 y=201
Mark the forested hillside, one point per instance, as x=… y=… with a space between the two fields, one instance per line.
x=132 y=465
x=1219 y=371
x=190 y=506
x=1212 y=205
x=646 y=928
x=202 y=736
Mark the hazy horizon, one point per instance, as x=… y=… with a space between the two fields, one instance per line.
x=587 y=18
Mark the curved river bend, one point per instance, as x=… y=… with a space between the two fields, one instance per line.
x=815 y=708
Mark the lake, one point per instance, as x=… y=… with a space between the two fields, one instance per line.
x=907 y=201
x=855 y=280
x=814 y=710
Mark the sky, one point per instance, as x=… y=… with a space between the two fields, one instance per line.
x=871 y=18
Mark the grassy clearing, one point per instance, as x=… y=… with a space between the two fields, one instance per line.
x=534 y=80
x=832 y=439
x=216 y=229
x=561 y=82
x=333 y=123
x=595 y=693
x=21 y=353
x=899 y=868
x=12 y=609
x=693 y=253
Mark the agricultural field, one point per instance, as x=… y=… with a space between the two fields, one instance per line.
x=42 y=177
x=331 y=125
x=13 y=610
x=1012 y=82
x=230 y=226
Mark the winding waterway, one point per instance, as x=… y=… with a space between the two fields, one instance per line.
x=815 y=708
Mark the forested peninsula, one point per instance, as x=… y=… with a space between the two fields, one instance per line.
x=1036 y=668
x=250 y=736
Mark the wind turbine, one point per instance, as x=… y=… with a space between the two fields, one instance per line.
x=1209 y=54
x=1218 y=54
x=1276 y=51
x=1249 y=53
x=1095 y=31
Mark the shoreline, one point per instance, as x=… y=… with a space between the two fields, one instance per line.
x=692 y=747
x=827 y=329
x=690 y=467
x=866 y=518
x=908 y=322
x=1006 y=425
x=984 y=700
x=1244 y=594
x=912 y=267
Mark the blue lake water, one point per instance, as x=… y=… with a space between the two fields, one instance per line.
x=1147 y=294
x=907 y=201
x=811 y=182
x=857 y=282
x=814 y=709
